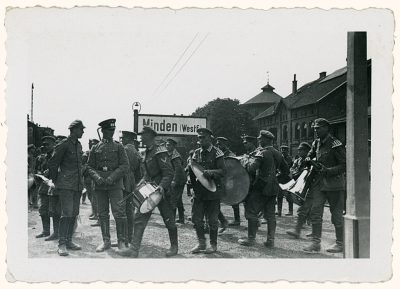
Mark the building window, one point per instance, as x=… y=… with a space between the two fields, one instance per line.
x=304 y=128
x=310 y=130
x=284 y=133
x=297 y=132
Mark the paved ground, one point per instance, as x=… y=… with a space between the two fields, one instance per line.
x=156 y=241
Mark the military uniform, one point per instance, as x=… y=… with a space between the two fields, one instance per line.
x=263 y=191
x=177 y=184
x=108 y=161
x=157 y=168
x=65 y=170
x=282 y=179
x=206 y=203
x=130 y=185
x=49 y=202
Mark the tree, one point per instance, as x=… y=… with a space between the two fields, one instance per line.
x=228 y=119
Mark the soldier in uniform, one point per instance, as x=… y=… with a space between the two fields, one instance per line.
x=284 y=179
x=157 y=168
x=206 y=203
x=90 y=188
x=48 y=202
x=249 y=143
x=127 y=140
x=328 y=185
x=222 y=144
x=65 y=170
x=297 y=168
x=107 y=165
x=262 y=194
x=178 y=182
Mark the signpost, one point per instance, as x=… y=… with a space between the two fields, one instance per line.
x=172 y=124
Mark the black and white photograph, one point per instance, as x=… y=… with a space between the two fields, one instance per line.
x=205 y=144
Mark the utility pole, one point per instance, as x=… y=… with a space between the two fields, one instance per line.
x=32 y=88
x=136 y=109
x=357 y=218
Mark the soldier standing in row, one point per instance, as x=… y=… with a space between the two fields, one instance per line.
x=178 y=182
x=262 y=194
x=282 y=179
x=90 y=189
x=205 y=202
x=157 y=168
x=127 y=140
x=107 y=165
x=303 y=211
x=328 y=185
x=65 y=170
x=48 y=201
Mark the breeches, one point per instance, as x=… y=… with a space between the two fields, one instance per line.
x=257 y=203
x=69 y=201
x=105 y=198
x=205 y=208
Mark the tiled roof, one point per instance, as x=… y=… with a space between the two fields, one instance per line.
x=269 y=111
x=266 y=96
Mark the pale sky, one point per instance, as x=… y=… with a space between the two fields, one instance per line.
x=93 y=63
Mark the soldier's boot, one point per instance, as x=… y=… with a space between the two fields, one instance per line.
x=290 y=209
x=315 y=245
x=133 y=250
x=121 y=226
x=105 y=232
x=129 y=232
x=338 y=247
x=279 y=205
x=236 y=214
x=213 y=241
x=173 y=238
x=297 y=230
x=63 y=232
x=46 y=227
x=201 y=246
x=250 y=240
x=71 y=245
x=223 y=222
x=56 y=223
x=270 y=243
x=181 y=215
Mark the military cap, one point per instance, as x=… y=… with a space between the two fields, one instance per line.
x=249 y=138
x=94 y=140
x=266 y=133
x=148 y=129
x=129 y=134
x=76 y=123
x=60 y=137
x=284 y=147
x=304 y=146
x=47 y=138
x=108 y=123
x=171 y=141
x=221 y=138
x=204 y=130
x=321 y=122
x=31 y=146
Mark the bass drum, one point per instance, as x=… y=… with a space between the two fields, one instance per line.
x=236 y=182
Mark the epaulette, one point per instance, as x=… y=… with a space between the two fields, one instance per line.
x=161 y=149
x=336 y=143
x=218 y=152
x=175 y=154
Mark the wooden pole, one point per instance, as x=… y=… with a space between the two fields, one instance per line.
x=357 y=218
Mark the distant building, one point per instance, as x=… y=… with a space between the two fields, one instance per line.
x=262 y=101
x=290 y=119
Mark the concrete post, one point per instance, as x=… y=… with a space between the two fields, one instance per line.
x=357 y=218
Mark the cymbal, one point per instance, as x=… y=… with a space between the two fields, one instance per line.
x=198 y=170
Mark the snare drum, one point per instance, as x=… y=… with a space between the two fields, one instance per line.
x=146 y=197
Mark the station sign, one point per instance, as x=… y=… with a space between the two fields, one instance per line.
x=172 y=124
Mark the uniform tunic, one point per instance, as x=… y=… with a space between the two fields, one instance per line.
x=328 y=186
x=108 y=159
x=65 y=169
x=178 y=182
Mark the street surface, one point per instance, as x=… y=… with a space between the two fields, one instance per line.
x=156 y=241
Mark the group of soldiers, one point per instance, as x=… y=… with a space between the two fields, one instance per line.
x=110 y=171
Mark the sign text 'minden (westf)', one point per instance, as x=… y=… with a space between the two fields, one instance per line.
x=171 y=124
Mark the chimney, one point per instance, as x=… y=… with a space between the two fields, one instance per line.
x=294 y=85
x=322 y=74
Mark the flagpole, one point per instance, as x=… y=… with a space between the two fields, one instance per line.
x=32 y=88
